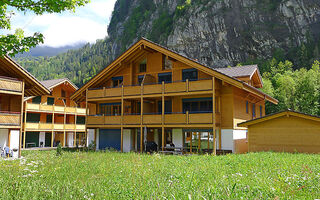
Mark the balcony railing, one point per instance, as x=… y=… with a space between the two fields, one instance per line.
x=56 y=109
x=155 y=89
x=30 y=126
x=10 y=85
x=149 y=119
x=9 y=119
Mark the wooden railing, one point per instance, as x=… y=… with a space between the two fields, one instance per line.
x=56 y=109
x=11 y=85
x=175 y=87
x=9 y=119
x=49 y=127
x=177 y=118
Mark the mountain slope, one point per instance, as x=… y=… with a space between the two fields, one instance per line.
x=216 y=32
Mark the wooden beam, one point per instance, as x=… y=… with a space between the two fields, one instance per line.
x=21 y=118
x=214 y=115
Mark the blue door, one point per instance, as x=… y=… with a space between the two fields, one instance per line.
x=110 y=138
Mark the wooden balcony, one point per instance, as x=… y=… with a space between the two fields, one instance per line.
x=10 y=86
x=187 y=87
x=56 y=109
x=8 y=119
x=153 y=119
x=54 y=127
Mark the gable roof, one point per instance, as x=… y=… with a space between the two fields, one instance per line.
x=147 y=44
x=55 y=82
x=277 y=115
x=238 y=71
x=10 y=68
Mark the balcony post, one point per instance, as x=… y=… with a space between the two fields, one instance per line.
x=214 y=116
x=141 y=119
x=162 y=113
x=86 y=117
x=24 y=128
x=191 y=135
x=187 y=85
x=52 y=131
x=75 y=129
x=187 y=116
x=122 y=118
x=21 y=118
x=64 y=127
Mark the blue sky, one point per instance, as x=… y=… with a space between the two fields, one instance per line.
x=86 y=24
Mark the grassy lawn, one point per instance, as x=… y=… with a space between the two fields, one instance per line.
x=81 y=175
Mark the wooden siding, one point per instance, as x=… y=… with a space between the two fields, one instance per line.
x=285 y=134
x=10 y=85
x=10 y=119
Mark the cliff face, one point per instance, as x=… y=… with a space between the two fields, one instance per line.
x=216 y=32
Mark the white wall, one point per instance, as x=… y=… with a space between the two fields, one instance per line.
x=127 y=140
x=70 y=138
x=239 y=134
x=3 y=137
x=90 y=137
x=97 y=139
x=227 y=139
x=14 y=141
x=42 y=138
x=177 y=137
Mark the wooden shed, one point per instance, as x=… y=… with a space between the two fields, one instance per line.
x=286 y=131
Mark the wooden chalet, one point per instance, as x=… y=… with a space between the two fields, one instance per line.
x=152 y=96
x=53 y=118
x=15 y=84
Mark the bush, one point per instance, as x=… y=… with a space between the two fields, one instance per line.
x=59 y=150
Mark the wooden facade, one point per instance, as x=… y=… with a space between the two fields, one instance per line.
x=15 y=84
x=54 y=117
x=286 y=131
x=152 y=90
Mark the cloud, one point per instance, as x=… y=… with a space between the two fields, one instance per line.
x=87 y=24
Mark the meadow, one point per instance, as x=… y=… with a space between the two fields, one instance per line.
x=111 y=175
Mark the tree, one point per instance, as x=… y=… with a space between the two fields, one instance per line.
x=15 y=43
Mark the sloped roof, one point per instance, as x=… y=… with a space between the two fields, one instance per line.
x=182 y=58
x=239 y=71
x=11 y=68
x=55 y=82
x=279 y=114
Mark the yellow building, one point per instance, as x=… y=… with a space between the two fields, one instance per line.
x=15 y=84
x=287 y=131
x=54 y=118
x=151 y=95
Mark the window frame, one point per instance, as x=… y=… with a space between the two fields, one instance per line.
x=166 y=74
x=190 y=70
x=118 y=80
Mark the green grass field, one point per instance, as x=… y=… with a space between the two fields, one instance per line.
x=82 y=175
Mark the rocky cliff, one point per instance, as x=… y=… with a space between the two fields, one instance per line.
x=217 y=32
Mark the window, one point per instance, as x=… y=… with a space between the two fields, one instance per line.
x=63 y=93
x=197 y=105
x=167 y=107
x=110 y=109
x=36 y=100
x=260 y=111
x=50 y=101
x=140 y=79
x=81 y=120
x=117 y=81
x=190 y=74
x=247 y=107
x=49 y=118
x=166 y=77
x=166 y=63
x=253 y=110
x=33 y=117
x=143 y=66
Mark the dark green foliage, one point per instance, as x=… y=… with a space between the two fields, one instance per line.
x=161 y=27
x=59 y=150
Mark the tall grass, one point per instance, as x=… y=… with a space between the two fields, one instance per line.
x=96 y=175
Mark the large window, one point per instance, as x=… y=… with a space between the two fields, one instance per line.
x=253 y=110
x=143 y=66
x=33 y=117
x=140 y=79
x=117 y=81
x=166 y=63
x=81 y=120
x=36 y=100
x=197 y=105
x=167 y=107
x=110 y=108
x=50 y=100
x=49 y=118
x=190 y=74
x=165 y=77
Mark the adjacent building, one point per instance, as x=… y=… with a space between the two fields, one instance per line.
x=15 y=84
x=53 y=118
x=151 y=94
x=287 y=131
